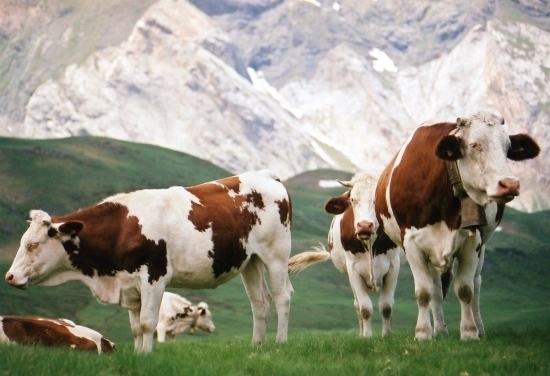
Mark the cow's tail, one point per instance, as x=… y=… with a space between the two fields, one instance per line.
x=299 y=262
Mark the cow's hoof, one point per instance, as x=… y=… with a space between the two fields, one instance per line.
x=442 y=331
x=423 y=335
x=469 y=335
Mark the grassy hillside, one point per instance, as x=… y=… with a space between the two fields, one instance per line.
x=63 y=175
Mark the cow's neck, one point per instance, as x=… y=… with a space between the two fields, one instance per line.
x=60 y=277
x=367 y=244
x=105 y=289
x=472 y=215
x=195 y=318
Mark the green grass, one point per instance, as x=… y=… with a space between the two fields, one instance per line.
x=509 y=351
x=63 y=175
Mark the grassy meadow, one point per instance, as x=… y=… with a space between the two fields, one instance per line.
x=508 y=351
x=63 y=175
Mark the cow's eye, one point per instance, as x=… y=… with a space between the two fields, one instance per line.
x=32 y=246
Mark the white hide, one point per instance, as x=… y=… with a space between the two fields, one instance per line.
x=197 y=317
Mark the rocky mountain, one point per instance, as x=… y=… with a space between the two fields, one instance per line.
x=292 y=85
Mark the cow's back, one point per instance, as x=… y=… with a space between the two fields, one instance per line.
x=211 y=230
x=171 y=305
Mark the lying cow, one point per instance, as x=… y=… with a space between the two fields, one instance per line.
x=177 y=314
x=131 y=246
x=29 y=330
x=420 y=200
x=358 y=249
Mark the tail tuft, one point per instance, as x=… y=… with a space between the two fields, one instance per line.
x=301 y=261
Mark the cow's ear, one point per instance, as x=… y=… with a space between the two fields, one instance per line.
x=71 y=227
x=449 y=149
x=202 y=311
x=462 y=122
x=522 y=147
x=337 y=205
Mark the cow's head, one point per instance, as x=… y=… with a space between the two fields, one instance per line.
x=198 y=317
x=360 y=197
x=204 y=318
x=481 y=147
x=41 y=255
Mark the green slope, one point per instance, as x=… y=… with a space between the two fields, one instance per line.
x=63 y=175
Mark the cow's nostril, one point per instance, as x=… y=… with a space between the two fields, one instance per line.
x=509 y=186
x=9 y=277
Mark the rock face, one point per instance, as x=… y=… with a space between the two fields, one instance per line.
x=291 y=85
x=175 y=84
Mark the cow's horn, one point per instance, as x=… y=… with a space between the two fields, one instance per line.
x=345 y=183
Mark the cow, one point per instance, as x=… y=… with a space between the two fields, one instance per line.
x=359 y=250
x=129 y=247
x=177 y=314
x=31 y=330
x=424 y=199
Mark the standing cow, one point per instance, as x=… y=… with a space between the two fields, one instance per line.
x=131 y=246
x=357 y=248
x=177 y=314
x=421 y=202
x=31 y=330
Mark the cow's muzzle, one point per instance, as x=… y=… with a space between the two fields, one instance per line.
x=364 y=230
x=14 y=282
x=507 y=190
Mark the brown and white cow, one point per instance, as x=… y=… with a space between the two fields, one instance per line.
x=420 y=208
x=177 y=314
x=359 y=250
x=30 y=330
x=131 y=246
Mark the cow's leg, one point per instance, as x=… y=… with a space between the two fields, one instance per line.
x=161 y=332
x=258 y=293
x=282 y=290
x=477 y=291
x=363 y=302
x=386 y=300
x=436 y=302
x=464 y=287
x=358 y=311
x=136 y=329
x=151 y=296
x=423 y=287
